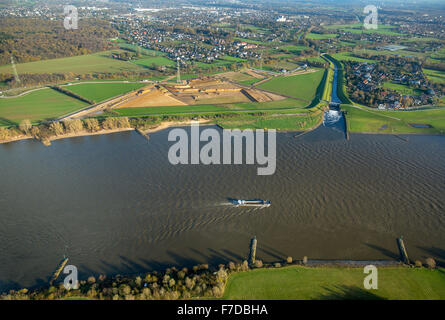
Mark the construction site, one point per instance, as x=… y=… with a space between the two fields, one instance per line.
x=203 y=91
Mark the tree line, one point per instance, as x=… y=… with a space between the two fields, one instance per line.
x=44 y=132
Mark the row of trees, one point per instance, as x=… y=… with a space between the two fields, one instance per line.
x=77 y=126
x=7 y=134
x=73 y=94
x=169 y=285
x=45 y=132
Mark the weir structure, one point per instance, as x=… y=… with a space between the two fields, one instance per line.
x=253 y=243
x=402 y=250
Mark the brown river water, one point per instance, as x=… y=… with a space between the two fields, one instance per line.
x=115 y=205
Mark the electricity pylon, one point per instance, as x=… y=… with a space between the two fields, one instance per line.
x=179 y=72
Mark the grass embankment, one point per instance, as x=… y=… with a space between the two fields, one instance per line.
x=341 y=87
x=291 y=283
x=285 y=114
x=282 y=122
x=37 y=106
x=99 y=92
x=327 y=91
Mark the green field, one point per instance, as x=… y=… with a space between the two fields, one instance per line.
x=438 y=57
x=403 y=52
x=302 y=283
x=140 y=50
x=315 y=59
x=98 y=62
x=301 y=86
x=38 y=105
x=365 y=119
x=402 y=89
x=317 y=36
x=348 y=56
x=347 y=43
x=435 y=75
x=148 y=62
x=233 y=59
x=215 y=63
x=98 y=92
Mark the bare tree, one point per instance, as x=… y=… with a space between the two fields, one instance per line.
x=123 y=122
x=25 y=126
x=109 y=124
x=35 y=131
x=57 y=128
x=92 y=125
x=4 y=133
x=73 y=126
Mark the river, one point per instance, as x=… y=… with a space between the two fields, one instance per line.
x=114 y=204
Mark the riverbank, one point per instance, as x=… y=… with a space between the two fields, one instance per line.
x=65 y=136
x=17 y=138
x=86 y=134
x=289 y=280
x=167 y=124
x=159 y=127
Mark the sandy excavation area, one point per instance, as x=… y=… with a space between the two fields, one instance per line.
x=206 y=90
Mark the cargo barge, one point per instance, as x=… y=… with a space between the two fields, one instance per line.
x=252 y=203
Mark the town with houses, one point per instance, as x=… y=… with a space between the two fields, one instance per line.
x=218 y=38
